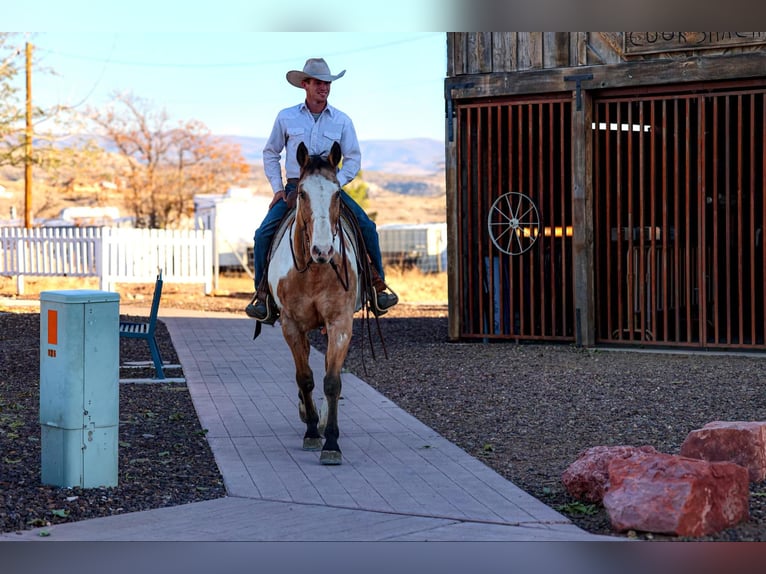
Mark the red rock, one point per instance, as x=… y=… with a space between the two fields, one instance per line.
x=587 y=478
x=676 y=495
x=743 y=443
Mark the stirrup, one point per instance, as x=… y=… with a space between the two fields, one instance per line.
x=378 y=311
x=272 y=312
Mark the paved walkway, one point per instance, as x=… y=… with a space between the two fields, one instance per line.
x=399 y=481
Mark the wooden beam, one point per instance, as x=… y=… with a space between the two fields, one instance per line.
x=622 y=75
x=582 y=222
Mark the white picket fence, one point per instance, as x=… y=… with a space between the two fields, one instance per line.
x=114 y=255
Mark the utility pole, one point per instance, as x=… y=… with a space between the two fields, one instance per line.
x=28 y=145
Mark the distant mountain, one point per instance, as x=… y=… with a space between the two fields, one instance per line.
x=419 y=156
x=416 y=157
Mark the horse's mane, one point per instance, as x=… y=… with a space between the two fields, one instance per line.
x=317 y=162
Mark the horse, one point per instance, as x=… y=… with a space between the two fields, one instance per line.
x=314 y=281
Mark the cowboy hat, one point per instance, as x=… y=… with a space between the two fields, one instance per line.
x=314 y=68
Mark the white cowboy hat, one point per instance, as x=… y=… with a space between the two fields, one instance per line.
x=314 y=68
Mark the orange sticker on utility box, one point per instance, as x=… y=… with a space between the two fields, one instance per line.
x=53 y=327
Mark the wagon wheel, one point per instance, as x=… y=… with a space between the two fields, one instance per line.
x=513 y=223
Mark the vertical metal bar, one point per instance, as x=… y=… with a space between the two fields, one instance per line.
x=751 y=208
x=462 y=300
x=468 y=192
x=763 y=214
x=677 y=291
x=485 y=318
x=503 y=304
x=553 y=244
x=538 y=294
x=631 y=224
x=530 y=309
x=689 y=252
x=492 y=291
x=609 y=224
x=740 y=226
x=515 y=172
x=652 y=223
x=665 y=225
x=565 y=242
x=700 y=201
x=642 y=249
x=713 y=187
x=727 y=223
x=620 y=277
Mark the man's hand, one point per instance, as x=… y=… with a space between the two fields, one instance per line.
x=278 y=196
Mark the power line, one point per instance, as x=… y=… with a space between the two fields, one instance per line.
x=254 y=64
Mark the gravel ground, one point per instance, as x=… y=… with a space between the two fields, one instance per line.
x=527 y=411
x=164 y=459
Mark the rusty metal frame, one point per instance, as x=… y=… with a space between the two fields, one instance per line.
x=679 y=215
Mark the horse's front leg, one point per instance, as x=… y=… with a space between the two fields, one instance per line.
x=299 y=346
x=338 y=340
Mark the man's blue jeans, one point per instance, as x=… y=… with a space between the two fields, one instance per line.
x=268 y=228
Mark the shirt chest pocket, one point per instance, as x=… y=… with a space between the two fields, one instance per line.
x=295 y=134
x=332 y=135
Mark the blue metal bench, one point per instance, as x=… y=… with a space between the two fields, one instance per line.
x=146 y=330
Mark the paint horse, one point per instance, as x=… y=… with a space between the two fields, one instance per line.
x=314 y=280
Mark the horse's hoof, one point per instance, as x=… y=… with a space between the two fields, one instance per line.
x=331 y=457
x=312 y=443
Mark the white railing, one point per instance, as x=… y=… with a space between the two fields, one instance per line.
x=114 y=255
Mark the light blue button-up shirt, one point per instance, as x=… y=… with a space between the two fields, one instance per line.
x=295 y=125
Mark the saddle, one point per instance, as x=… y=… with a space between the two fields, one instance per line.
x=368 y=278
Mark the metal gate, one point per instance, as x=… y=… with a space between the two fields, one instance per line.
x=514 y=194
x=679 y=216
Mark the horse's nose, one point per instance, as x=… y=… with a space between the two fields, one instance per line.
x=322 y=254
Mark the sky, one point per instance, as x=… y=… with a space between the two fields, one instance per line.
x=234 y=82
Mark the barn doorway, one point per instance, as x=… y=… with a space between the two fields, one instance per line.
x=514 y=191
x=679 y=216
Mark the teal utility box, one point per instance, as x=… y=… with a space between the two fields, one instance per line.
x=79 y=387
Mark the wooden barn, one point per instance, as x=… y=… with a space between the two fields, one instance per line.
x=607 y=188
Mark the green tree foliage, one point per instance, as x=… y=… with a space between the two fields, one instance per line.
x=358 y=189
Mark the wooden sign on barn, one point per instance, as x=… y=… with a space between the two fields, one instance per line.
x=607 y=188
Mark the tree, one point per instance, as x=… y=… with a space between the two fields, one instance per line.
x=11 y=104
x=358 y=189
x=165 y=166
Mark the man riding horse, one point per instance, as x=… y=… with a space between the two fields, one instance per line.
x=316 y=124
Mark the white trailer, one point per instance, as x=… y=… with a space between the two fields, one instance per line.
x=415 y=245
x=233 y=218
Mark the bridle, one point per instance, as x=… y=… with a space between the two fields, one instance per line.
x=305 y=247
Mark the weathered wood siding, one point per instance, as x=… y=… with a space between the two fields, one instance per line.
x=494 y=52
x=492 y=74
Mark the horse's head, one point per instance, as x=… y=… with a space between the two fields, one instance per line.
x=318 y=203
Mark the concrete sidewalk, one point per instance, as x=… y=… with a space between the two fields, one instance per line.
x=400 y=480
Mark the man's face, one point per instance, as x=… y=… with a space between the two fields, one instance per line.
x=316 y=90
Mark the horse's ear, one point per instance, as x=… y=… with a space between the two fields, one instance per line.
x=334 y=156
x=302 y=155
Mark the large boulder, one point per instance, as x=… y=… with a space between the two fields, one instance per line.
x=587 y=478
x=676 y=495
x=740 y=442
